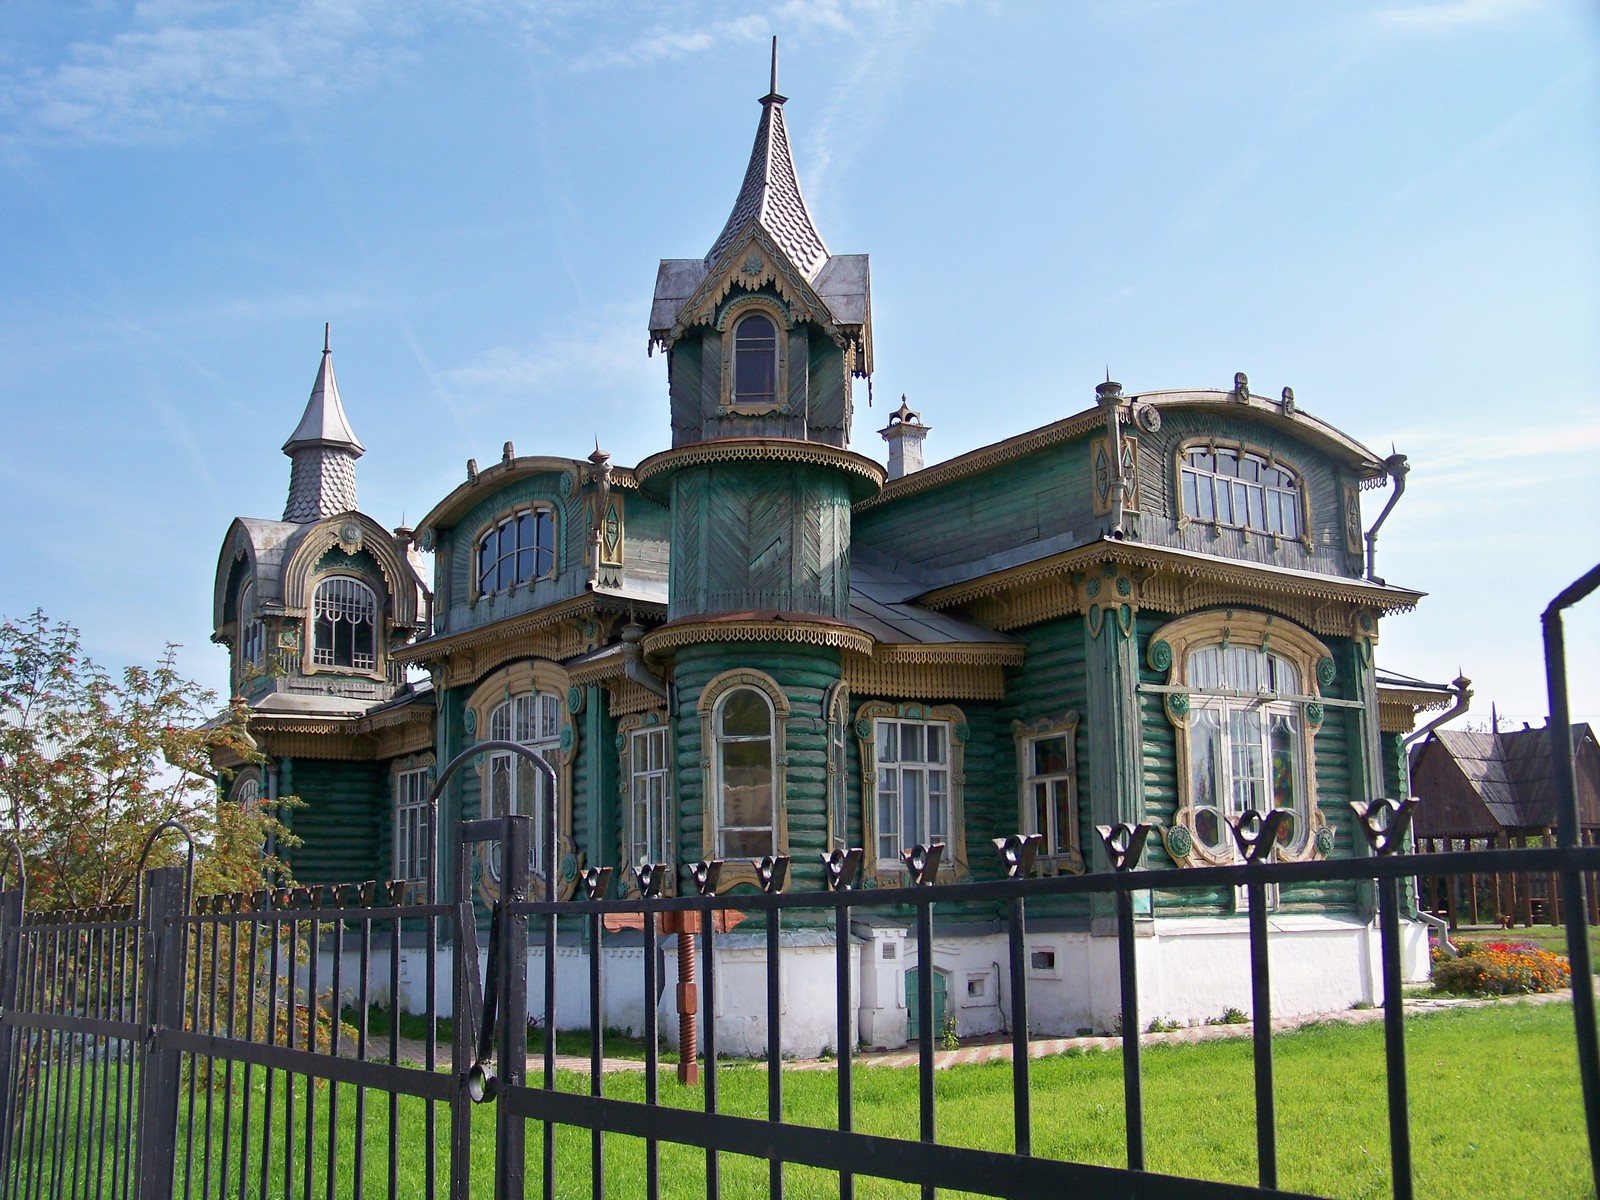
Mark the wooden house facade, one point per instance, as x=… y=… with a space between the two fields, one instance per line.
x=761 y=641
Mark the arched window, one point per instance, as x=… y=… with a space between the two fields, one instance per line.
x=838 y=774
x=1244 y=745
x=516 y=549
x=247 y=790
x=516 y=786
x=1236 y=487
x=345 y=624
x=745 y=772
x=252 y=634
x=755 y=360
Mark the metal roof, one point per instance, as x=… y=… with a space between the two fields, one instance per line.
x=771 y=195
x=324 y=422
x=880 y=605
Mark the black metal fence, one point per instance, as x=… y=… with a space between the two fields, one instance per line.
x=254 y=1046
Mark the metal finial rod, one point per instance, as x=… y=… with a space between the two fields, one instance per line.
x=327 y=331
x=774 y=89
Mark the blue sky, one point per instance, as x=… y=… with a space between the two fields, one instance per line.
x=1389 y=206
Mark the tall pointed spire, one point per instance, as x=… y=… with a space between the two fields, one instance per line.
x=771 y=195
x=322 y=451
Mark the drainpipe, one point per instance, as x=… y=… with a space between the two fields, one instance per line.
x=1109 y=395
x=1396 y=467
x=633 y=668
x=1462 y=687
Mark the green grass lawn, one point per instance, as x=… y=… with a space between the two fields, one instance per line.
x=1494 y=1100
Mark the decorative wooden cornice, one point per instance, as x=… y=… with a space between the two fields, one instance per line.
x=870 y=675
x=1171 y=581
x=1398 y=708
x=385 y=735
x=866 y=475
x=756 y=627
x=547 y=620
x=750 y=262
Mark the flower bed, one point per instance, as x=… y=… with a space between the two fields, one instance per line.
x=1500 y=969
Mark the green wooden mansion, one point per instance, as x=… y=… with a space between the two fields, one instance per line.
x=758 y=640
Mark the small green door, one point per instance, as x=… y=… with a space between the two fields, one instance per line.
x=913 y=1025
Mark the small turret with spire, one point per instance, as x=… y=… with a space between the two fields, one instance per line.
x=322 y=451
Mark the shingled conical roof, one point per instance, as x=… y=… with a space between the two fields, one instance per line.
x=322 y=452
x=771 y=192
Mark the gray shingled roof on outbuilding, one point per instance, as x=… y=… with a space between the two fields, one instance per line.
x=1512 y=773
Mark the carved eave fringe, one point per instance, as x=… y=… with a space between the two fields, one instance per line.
x=385 y=735
x=929 y=679
x=624 y=696
x=665 y=641
x=1398 y=708
x=1167 y=582
x=653 y=472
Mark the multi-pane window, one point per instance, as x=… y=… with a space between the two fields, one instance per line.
x=345 y=632
x=516 y=549
x=411 y=824
x=744 y=774
x=649 y=794
x=1239 y=488
x=1049 y=798
x=247 y=791
x=755 y=360
x=516 y=786
x=913 y=787
x=1245 y=746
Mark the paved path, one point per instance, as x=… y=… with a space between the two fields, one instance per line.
x=998 y=1050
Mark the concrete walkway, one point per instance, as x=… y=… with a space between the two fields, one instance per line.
x=994 y=1049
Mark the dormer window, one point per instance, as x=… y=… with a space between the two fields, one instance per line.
x=1239 y=488
x=755 y=360
x=252 y=634
x=517 y=549
x=344 y=625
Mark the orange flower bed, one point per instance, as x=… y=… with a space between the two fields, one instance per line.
x=1500 y=969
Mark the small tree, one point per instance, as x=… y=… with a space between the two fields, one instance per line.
x=90 y=765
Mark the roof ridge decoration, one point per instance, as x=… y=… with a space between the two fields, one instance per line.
x=770 y=194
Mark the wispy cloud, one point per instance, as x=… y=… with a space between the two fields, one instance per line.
x=1453 y=14
x=180 y=64
x=662 y=42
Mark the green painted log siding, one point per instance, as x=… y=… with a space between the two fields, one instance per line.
x=1042 y=496
x=344 y=826
x=1049 y=684
x=805 y=675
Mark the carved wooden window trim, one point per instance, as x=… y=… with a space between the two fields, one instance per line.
x=410 y=781
x=250 y=659
x=838 y=783
x=1170 y=650
x=1264 y=457
x=308 y=663
x=728 y=324
x=512 y=521
x=890 y=872
x=1067 y=852
x=530 y=677
x=644 y=725
x=741 y=870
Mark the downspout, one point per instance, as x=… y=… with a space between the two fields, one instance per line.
x=1462 y=687
x=633 y=668
x=1396 y=467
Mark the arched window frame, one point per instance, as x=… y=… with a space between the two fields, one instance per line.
x=535 y=678
x=887 y=870
x=643 y=784
x=731 y=317
x=247 y=788
x=528 y=563
x=1170 y=650
x=712 y=701
x=313 y=662
x=1264 y=458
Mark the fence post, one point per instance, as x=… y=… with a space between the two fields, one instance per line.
x=10 y=968
x=162 y=1009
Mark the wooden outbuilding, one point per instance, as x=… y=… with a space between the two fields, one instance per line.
x=1482 y=789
